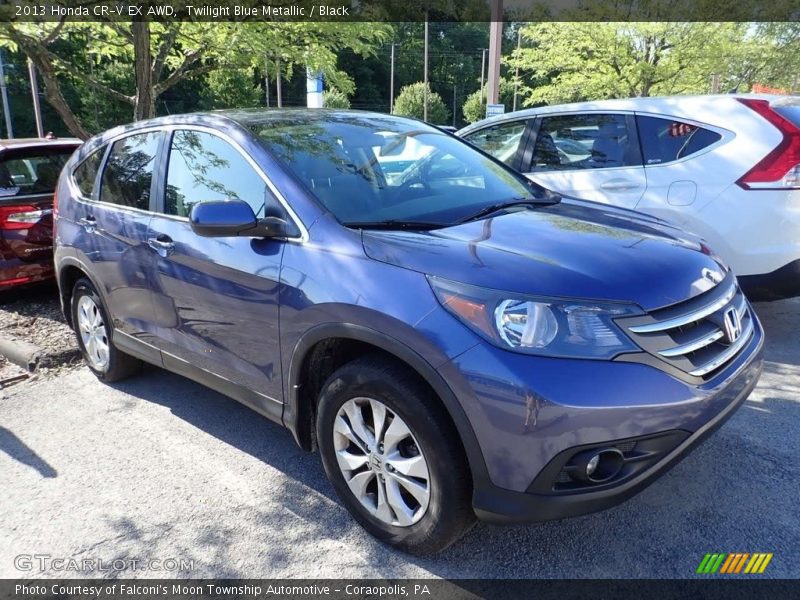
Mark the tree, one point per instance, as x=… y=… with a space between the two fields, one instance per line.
x=580 y=61
x=475 y=107
x=333 y=98
x=410 y=103
x=164 y=55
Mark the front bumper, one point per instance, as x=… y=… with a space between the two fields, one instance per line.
x=531 y=412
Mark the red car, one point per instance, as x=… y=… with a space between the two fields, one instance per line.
x=29 y=170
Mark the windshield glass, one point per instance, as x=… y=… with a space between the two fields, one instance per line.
x=370 y=169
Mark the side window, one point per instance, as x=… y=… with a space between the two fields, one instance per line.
x=665 y=140
x=590 y=141
x=501 y=141
x=205 y=167
x=86 y=173
x=129 y=171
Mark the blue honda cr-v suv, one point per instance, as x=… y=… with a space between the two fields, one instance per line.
x=457 y=340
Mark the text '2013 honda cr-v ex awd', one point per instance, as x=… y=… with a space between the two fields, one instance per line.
x=456 y=339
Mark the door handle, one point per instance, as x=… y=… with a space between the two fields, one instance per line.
x=619 y=185
x=162 y=244
x=88 y=223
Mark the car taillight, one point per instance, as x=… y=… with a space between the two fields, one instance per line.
x=21 y=216
x=55 y=203
x=780 y=169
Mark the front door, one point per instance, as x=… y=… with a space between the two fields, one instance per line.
x=216 y=299
x=591 y=156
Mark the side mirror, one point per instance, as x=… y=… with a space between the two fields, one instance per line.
x=231 y=218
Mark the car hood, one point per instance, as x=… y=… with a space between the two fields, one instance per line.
x=572 y=249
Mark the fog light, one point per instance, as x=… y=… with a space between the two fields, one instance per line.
x=591 y=466
x=598 y=466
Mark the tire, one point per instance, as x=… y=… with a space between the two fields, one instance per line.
x=405 y=519
x=92 y=328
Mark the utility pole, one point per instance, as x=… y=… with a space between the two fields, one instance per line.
x=391 y=84
x=37 y=109
x=483 y=71
x=715 y=83
x=425 y=92
x=278 y=82
x=454 y=105
x=6 y=108
x=516 y=74
x=266 y=77
x=495 y=47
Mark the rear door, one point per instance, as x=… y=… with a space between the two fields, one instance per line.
x=679 y=181
x=216 y=300
x=28 y=178
x=592 y=156
x=115 y=227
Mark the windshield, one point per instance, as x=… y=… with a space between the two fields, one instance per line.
x=373 y=169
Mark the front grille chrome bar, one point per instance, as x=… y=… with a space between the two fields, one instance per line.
x=693 y=346
x=727 y=354
x=687 y=318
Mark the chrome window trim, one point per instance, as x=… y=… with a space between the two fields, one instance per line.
x=170 y=129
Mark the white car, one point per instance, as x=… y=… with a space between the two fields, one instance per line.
x=724 y=167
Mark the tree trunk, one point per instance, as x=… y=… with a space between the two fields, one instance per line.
x=52 y=91
x=145 y=106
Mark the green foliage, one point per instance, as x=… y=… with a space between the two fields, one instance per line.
x=579 y=61
x=475 y=110
x=99 y=61
x=333 y=98
x=410 y=103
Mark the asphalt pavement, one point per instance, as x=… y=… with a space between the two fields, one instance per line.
x=158 y=468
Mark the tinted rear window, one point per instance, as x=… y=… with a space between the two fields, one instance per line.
x=666 y=140
x=788 y=111
x=86 y=173
x=32 y=172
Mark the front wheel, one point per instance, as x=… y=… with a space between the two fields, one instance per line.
x=393 y=456
x=92 y=328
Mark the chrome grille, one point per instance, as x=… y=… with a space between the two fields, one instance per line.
x=692 y=336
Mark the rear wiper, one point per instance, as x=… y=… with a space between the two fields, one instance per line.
x=395 y=224
x=497 y=207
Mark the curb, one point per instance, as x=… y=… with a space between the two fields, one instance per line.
x=22 y=354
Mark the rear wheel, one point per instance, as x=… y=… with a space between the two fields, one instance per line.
x=92 y=328
x=393 y=457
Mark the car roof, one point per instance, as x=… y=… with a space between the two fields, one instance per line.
x=21 y=143
x=655 y=104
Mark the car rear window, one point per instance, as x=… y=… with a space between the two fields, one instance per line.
x=790 y=112
x=667 y=140
x=32 y=173
x=86 y=172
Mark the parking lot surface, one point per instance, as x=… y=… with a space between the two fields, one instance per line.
x=159 y=468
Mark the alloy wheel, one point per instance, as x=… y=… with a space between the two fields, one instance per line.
x=93 y=333
x=381 y=462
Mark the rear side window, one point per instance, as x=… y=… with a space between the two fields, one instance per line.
x=589 y=141
x=501 y=141
x=666 y=140
x=205 y=167
x=31 y=173
x=129 y=171
x=86 y=172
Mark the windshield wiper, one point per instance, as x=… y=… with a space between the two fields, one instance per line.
x=395 y=224
x=498 y=206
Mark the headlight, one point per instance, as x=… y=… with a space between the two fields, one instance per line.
x=534 y=325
